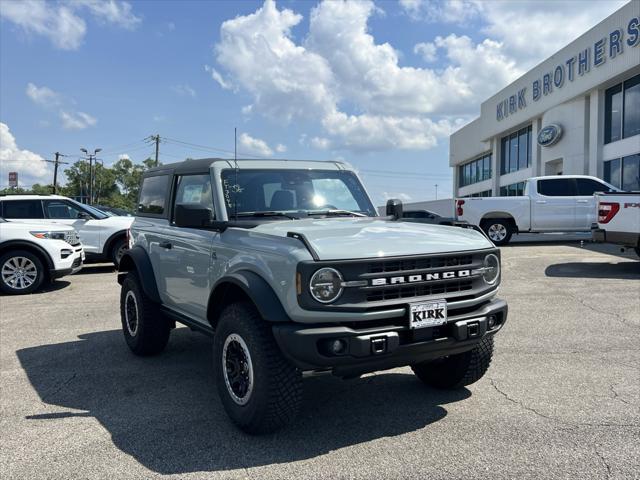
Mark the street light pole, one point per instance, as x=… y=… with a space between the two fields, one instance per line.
x=91 y=179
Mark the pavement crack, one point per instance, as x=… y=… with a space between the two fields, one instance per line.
x=616 y=395
x=554 y=419
x=620 y=318
x=519 y=403
x=603 y=460
x=60 y=387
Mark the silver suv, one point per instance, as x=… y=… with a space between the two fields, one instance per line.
x=288 y=267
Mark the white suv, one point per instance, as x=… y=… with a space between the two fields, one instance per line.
x=104 y=237
x=32 y=253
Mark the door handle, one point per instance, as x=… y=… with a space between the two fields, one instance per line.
x=541 y=201
x=166 y=245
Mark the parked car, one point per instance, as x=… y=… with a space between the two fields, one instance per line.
x=618 y=219
x=31 y=254
x=114 y=211
x=549 y=204
x=288 y=267
x=103 y=237
x=426 y=216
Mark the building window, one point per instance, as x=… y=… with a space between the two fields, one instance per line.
x=622 y=110
x=484 y=193
x=623 y=172
x=515 y=151
x=476 y=171
x=513 y=190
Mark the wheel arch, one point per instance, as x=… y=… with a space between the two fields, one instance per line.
x=245 y=286
x=498 y=215
x=37 y=250
x=136 y=259
x=106 y=249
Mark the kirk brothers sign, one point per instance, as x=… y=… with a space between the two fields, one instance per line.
x=580 y=64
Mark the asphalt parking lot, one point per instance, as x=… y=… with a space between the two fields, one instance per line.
x=561 y=399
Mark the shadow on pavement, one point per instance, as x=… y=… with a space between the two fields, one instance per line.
x=620 y=270
x=97 y=268
x=164 y=411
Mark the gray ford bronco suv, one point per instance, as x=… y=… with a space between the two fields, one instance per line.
x=287 y=265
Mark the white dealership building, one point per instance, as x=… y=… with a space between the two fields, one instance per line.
x=578 y=112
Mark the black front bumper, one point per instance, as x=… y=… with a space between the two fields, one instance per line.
x=383 y=347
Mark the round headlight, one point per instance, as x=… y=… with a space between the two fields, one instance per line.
x=491 y=269
x=326 y=285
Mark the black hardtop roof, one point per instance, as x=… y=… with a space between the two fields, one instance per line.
x=201 y=165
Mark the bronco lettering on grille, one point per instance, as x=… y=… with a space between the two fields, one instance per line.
x=426 y=277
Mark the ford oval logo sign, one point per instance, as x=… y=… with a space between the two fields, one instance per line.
x=549 y=135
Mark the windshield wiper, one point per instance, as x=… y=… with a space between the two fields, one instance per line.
x=336 y=212
x=266 y=214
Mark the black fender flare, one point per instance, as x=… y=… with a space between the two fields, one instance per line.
x=255 y=288
x=13 y=244
x=106 y=249
x=137 y=259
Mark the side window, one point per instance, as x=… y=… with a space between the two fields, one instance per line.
x=586 y=186
x=194 y=190
x=61 y=210
x=557 y=187
x=23 y=209
x=153 y=194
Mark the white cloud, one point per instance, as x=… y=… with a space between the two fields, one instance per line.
x=76 y=120
x=399 y=195
x=30 y=166
x=218 y=77
x=280 y=148
x=320 y=143
x=426 y=50
x=47 y=98
x=61 y=22
x=338 y=66
x=42 y=96
x=184 y=90
x=111 y=11
x=254 y=146
x=451 y=11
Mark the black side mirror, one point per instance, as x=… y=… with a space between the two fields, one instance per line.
x=394 y=208
x=192 y=216
x=84 y=216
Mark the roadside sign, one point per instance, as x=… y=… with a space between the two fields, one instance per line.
x=13 y=179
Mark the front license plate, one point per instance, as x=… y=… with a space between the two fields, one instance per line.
x=427 y=314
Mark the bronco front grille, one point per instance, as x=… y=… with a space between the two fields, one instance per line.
x=419 y=290
x=424 y=263
x=379 y=283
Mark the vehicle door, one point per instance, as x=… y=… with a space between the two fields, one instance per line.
x=586 y=210
x=65 y=212
x=553 y=208
x=188 y=259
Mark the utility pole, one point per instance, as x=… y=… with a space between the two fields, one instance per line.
x=156 y=138
x=436 y=191
x=56 y=162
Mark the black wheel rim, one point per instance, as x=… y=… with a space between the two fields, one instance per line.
x=237 y=369
x=131 y=313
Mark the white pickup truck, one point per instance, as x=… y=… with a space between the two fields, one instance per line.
x=618 y=219
x=550 y=204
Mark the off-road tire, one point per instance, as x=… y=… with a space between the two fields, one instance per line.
x=457 y=371
x=276 y=392
x=151 y=332
x=497 y=224
x=34 y=262
x=115 y=248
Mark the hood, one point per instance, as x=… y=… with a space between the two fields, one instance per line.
x=119 y=222
x=348 y=238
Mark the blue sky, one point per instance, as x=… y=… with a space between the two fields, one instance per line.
x=380 y=85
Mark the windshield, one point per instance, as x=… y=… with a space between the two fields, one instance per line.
x=91 y=210
x=299 y=191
